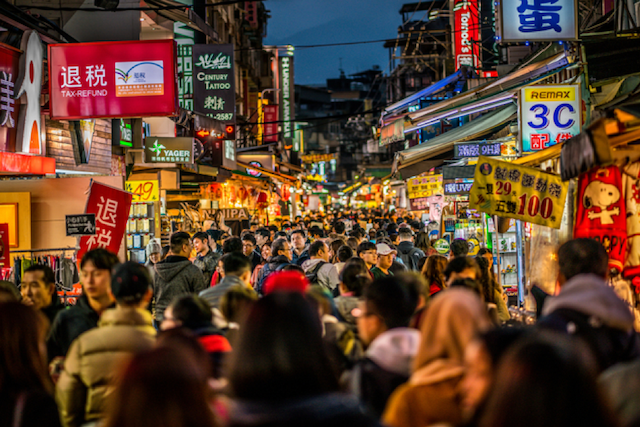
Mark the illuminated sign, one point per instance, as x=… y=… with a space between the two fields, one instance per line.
x=254 y=172
x=537 y=20
x=185 y=38
x=270 y=123
x=287 y=97
x=168 y=150
x=476 y=150
x=214 y=92
x=467 y=34
x=451 y=188
x=29 y=138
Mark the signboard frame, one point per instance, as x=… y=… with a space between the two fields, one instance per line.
x=153 y=143
x=74 y=223
x=500 y=27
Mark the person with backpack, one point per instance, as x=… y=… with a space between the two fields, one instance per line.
x=281 y=255
x=319 y=270
x=407 y=252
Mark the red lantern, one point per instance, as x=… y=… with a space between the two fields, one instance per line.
x=286 y=192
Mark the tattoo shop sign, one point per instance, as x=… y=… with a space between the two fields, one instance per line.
x=214 y=92
x=513 y=191
x=111 y=208
x=537 y=20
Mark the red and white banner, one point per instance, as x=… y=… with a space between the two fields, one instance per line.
x=467 y=33
x=270 y=126
x=111 y=207
x=113 y=79
x=5 y=256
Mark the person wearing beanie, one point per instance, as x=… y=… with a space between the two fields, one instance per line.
x=89 y=369
x=154 y=256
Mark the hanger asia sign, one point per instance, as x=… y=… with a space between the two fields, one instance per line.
x=113 y=79
x=537 y=20
x=467 y=33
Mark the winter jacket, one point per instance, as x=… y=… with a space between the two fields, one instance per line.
x=345 y=306
x=621 y=385
x=207 y=264
x=91 y=363
x=327 y=274
x=39 y=409
x=214 y=294
x=175 y=276
x=335 y=410
x=410 y=255
x=300 y=259
x=52 y=310
x=588 y=308
x=256 y=259
x=275 y=264
x=215 y=344
x=386 y=365
x=68 y=325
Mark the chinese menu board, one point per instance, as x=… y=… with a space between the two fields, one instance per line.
x=513 y=191
x=424 y=186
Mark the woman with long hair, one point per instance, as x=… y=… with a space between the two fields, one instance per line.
x=491 y=290
x=265 y=252
x=422 y=242
x=26 y=390
x=433 y=271
x=280 y=374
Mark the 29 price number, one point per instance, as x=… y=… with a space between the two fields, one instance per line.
x=143 y=191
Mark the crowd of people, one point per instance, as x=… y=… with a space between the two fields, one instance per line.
x=348 y=320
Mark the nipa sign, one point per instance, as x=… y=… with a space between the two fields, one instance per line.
x=235 y=214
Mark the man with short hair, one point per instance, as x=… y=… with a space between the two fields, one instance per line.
x=262 y=236
x=232 y=244
x=409 y=254
x=383 y=326
x=95 y=275
x=319 y=270
x=459 y=248
x=587 y=308
x=38 y=290
x=205 y=259
x=249 y=250
x=339 y=227
x=237 y=271
x=385 y=261
x=369 y=254
x=281 y=255
x=89 y=369
x=299 y=243
x=460 y=268
x=176 y=275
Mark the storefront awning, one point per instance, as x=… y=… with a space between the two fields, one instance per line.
x=434 y=88
x=279 y=176
x=415 y=157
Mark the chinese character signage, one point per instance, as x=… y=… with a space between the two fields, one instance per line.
x=287 y=97
x=467 y=33
x=143 y=191
x=111 y=208
x=5 y=255
x=81 y=225
x=457 y=187
x=185 y=38
x=475 y=149
x=112 y=79
x=214 y=92
x=270 y=117
x=168 y=150
x=538 y=20
x=549 y=115
x=419 y=204
x=9 y=105
x=512 y=191
x=391 y=133
x=424 y=186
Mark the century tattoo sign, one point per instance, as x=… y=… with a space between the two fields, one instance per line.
x=537 y=20
x=214 y=91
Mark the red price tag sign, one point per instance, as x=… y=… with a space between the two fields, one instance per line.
x=143 y=191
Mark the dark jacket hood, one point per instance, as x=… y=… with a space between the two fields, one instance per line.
x=171 y=266
x=405 y=246
x=275 y=261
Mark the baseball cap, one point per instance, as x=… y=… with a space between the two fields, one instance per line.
x=384 y=249
x=130 y=282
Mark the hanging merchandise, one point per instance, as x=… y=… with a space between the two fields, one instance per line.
x=242 y=194
x=632 y=198
x=262 y=201
x=600 y=212
x=286 y=192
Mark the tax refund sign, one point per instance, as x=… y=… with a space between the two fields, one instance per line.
x=549 y=115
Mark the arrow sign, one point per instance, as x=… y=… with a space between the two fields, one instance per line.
x=81 y=225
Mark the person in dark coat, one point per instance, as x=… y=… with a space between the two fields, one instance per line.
x=206 y=260
x=281 y=255
x=38 y=290
x=237 y=271
x=249 y=249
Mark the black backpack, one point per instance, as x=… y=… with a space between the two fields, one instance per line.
x=409 y=259
x=312 y=275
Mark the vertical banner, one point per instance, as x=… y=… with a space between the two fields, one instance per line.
x=467 y=34
x=185 y=37
x=214 y=84
x=287 y=99
x=111 y=207
x=5 y=255
x=270 y=133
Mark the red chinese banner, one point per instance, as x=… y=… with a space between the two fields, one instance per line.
x=113 y=79
x=111 y=207
x=270 y=126
x=467 y=33
x=5 y=256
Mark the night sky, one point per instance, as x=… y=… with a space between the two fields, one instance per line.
x=306 y=22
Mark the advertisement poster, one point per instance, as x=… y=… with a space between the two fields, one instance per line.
x=143 y=191
x=287 y=99
x=5 y=255
x=531 y=21
x=424 y=186
x=111 y=207
x=512 y=191
x=112 y=79
x=214 y=88
x=467 y=33
x=270 y=125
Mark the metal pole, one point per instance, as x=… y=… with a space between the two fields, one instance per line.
x=520 y=260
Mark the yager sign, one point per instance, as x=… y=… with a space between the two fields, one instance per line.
x=168 y=150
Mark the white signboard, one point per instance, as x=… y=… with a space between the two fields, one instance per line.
x=549 y=115
x=538 y=20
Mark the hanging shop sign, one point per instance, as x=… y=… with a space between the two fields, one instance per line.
x=253 y=172
x=9 y=105
x=317 y=158
x=287 y=97
x=467 y=33
x=270 y=123
x=419 y=204
x=549 y=115
x=185 y=39
x=476 y=149
x=214 y=89
x=512 y=191
x=391 y=133
x=112 y=79
x=537 y=20
x=424 y=186
x=457 y=187
x=81 y=225
x=235 y=214
x=441 y=246
x=5 y=254
x=122 y=132
x=111 y=208
x=456 y=172
x=168 y=150
x=143 y=191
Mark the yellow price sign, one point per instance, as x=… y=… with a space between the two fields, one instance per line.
x=512 y=191
x=143 y=191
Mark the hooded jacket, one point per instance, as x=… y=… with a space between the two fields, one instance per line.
x=345 y=306
x=275 y=263
x=387 y=365
x=89 y=368
x=328 y=276
x=588 y=308
x=207 y=264
x=214 y=294
x=175 y=276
